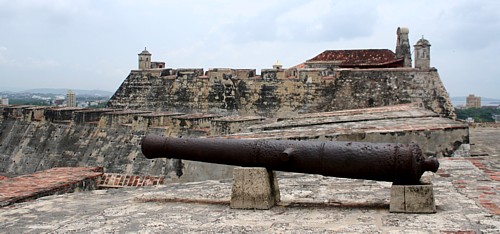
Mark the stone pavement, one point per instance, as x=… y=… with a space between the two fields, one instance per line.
x=484 y=140
x=466 y=191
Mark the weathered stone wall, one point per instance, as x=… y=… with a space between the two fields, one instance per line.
x=271 y=95
x=35 y=146
x=63 y=137
x=30 y=146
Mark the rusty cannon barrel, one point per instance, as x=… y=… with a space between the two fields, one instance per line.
x=398 y=163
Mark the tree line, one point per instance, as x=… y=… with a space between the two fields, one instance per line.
x=478 y=114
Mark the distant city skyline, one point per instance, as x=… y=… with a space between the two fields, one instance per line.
x=89 y=44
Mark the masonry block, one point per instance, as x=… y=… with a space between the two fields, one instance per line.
x=412 y=199
x=254 y=188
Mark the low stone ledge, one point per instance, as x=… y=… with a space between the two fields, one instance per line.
x=49 y=182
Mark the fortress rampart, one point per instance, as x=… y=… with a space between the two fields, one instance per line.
x=38 y=138
x=272 y=94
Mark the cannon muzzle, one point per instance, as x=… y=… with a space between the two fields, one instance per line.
x=398 y=163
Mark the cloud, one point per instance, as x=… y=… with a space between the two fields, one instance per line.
x=477 y=26
x=323 y=20
x=313 y=21
x=85 y=36
x=43 y=12
x=2 y=49
x=40 y=63
x=6 y=60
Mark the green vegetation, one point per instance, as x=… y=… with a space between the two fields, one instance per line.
x=101 y=105
x=29 y=101
x=478 y=114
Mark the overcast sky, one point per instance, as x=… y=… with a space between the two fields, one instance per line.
x=93 y=44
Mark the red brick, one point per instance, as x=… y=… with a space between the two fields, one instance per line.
x=490 y=193
x=459 y=232
x=122 y=179
x=496 y=178
x=483 y=188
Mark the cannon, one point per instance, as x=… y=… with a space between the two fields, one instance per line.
x=401 y=164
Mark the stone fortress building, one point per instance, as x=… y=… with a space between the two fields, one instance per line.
x=332 y=80
x=372 y=95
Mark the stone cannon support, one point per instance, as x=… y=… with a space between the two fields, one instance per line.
x=254 y=188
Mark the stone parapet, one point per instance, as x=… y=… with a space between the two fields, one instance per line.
x=111 y=138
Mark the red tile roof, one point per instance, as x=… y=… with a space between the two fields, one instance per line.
x=360 y=58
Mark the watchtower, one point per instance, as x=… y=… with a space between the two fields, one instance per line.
x=422 y=53
x=403 y=46
x=277 y=65
x=144 y=60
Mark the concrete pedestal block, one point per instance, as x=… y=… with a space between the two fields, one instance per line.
x=254 y=188
x=412 y=199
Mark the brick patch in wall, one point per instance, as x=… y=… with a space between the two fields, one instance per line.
x=113 y=180
x=57 y=180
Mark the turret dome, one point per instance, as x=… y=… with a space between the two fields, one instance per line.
x=145 y=52
x=423 y=42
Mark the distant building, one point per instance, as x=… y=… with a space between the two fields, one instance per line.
x=473 y=101
x=5 y=101
x=70 y=99
x=277 y=65
x=496 y=118
x=58 y=102
x=83 y=104
x=145 y=61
